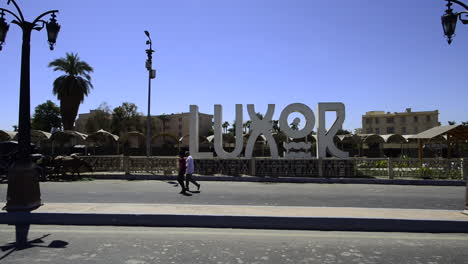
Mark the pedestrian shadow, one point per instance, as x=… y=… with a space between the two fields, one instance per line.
x=12 y=247
x=195 y=191
x=173 y=183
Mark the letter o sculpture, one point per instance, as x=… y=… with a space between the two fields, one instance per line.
x=304 y=110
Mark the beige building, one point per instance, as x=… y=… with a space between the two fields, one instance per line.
x=403 y=123
x=175 y=125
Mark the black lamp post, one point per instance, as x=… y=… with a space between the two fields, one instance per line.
x=449 y=22
x=151 y=75
x=449 y=19
x=23 y=192
x=23 y=185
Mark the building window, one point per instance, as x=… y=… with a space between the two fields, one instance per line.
x=376 y=120
x=390 y=130
x=368 y=120
x=390 y=120
x=377 y=131
x=428 y=118
x=403 y=130
x=403 y=119
x=369 y=131
x=415 y=119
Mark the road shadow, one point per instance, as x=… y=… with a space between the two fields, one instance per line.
x=12 y=247
x=173 y=183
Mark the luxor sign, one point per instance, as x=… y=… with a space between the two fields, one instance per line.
x=265 y=126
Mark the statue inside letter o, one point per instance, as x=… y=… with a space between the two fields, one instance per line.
x=309 y=118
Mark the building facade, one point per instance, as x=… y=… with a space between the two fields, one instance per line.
x=403 y=123
x=172 y=126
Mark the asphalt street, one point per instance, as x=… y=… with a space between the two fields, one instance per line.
x=72 y=244
x=252 y=193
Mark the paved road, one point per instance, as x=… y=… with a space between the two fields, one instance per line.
x=248 y=193
x=73 y=244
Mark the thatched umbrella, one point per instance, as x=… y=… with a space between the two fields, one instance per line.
x=7 y=135
x=102 y=138
x=68 y=137
x=37 y=136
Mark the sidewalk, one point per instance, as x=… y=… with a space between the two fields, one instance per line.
x=251 y=217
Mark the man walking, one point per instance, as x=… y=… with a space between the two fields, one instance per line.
x=189 y=171
x=182 y=169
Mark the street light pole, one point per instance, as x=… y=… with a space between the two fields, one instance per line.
x=449 y=19
x=151 y=75
x=449 y=23
x=23 y=193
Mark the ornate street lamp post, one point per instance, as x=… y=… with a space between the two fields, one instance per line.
x=449 y=22
x=23 y=192
x=449 y=19
x=151 y=75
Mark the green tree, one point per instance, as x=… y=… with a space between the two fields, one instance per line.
x=225 y=125
x=247 y=126
x=343 y=132
x=101 y=118
x=126 y=118
x=232 y=130
x=259 y=115
x=46 y=116
x=72 y=87
x=275 y=125
x=451 y=123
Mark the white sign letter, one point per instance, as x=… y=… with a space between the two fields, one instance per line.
x=218 y=136
x=194 y=135
x=261 y=126
x=325 y=138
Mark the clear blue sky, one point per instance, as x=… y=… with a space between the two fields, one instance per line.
x=370 y=55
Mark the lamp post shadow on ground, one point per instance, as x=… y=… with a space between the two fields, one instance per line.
x=23 y=192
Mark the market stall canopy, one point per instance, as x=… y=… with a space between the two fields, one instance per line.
x=134 y=139
x=37 y=135
x=7 y=135
x=67 y=136
x=371 y=138
x=394 y=138
x=349 y=139
x=457 y=132
x=101 y=136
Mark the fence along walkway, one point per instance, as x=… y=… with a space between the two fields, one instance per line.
x=266 y=167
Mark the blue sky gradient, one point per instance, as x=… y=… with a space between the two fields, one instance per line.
x=370 y=55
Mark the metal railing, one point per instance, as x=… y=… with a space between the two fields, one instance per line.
x=389 y=168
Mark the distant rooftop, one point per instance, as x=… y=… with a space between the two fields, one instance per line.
x=408 y=110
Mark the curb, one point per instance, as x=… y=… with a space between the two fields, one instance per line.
x=244 y=222
x=285 y=179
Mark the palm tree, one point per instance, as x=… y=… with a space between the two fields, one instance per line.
x=225 y=125
x=247 y=125
x=72 y=87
